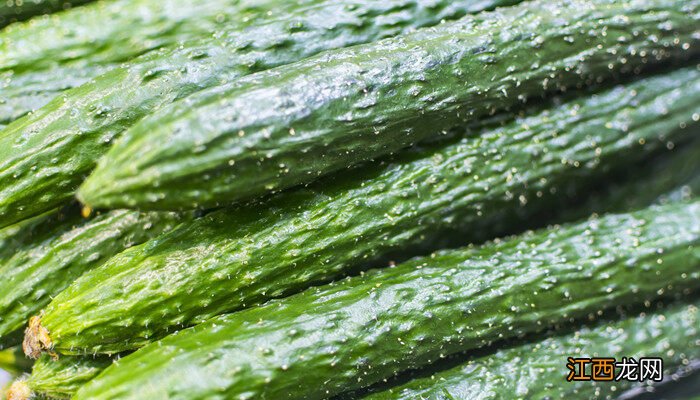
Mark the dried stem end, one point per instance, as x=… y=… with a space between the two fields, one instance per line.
x=37 y=340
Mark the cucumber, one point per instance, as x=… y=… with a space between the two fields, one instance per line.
x=470 y=189
x=50 y=253
x=75 y=46
x=289 y=125
x=58 y=379
x=661 y=175
x=19 y=10
x=108 y=33
x=117 y=31
x=102 y=109
x=534 y=370
x=365 y=329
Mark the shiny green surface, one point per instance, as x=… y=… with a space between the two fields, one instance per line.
x=41 y=58
x=677 y=173
x=67 y=136
x=97 y=34
x=63 y=377
x=471 y=189
x=359 y=331
x=109 y=32
x=289 y=125
x=536 y=370
x=20 y=94
x=49 y=253
x=19 y=10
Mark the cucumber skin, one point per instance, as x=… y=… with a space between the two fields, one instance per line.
x=32 y=90
x=69 y=49
x=250 y=254
x=81 y=44
x=21 y=234
x=289 y=125
x=48 y=254
x=97 y=34
x=663 y=183
x=108 y=33
x=534 y=370
x=29 y=232
x=61 y=378
x=359 y=331
x=101 y=109
x=11 y=12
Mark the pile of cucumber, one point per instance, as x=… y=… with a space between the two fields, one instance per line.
x=354 y=199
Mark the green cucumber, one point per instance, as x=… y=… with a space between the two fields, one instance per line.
x=101 y=109
x=362 y=330
x=67 y=50
x=107 y=33
x=470 y=189
x=20 y=10
x=58 y=379
x=535 y=370
x=292 y=124
x=661 y=177
x=48 y=254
